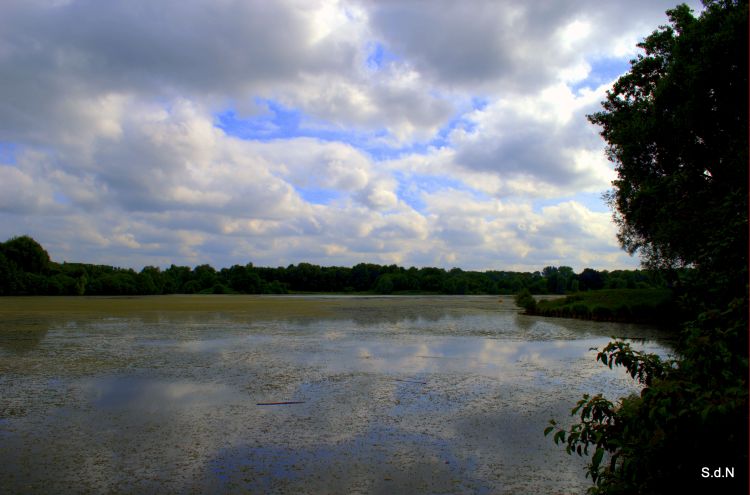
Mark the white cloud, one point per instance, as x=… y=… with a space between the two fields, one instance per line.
x=542 y=138
x=19 y=194
x=109 y=110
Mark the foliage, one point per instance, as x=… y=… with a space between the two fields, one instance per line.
x=630 y=305
x=590 y=280
x=691 y=413
x=525 y=300
x=676 y=127
x=26 y=273
x=559 y=279
x=28 y=255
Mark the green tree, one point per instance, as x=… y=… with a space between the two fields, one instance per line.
x=590 y=279
x=243 y=279
x=364 y=275
x=191 y=287
x=676 y=128
x=559 y=279
x=9 y=277
x=26 y=253
x=147 y=279
x=431 y=279
x=205 y=275
x=80 y=287
x=384 y=284
x=175 y=278
x=61 y=285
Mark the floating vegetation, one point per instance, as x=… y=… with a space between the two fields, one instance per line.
x=409 y=394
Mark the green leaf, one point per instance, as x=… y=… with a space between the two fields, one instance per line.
x=559 y=436
x=597 y=459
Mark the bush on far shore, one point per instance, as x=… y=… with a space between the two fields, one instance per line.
x=626 y=305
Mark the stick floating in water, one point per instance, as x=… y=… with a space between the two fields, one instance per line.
x=409 y=381
x=280 y=403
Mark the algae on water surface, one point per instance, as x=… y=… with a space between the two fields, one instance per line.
x=396 y=394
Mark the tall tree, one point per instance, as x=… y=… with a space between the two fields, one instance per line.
x=676 y=128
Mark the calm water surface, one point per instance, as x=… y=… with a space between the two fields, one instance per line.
x=397 y=395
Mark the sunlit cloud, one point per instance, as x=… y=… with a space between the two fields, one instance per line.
x=335 y=132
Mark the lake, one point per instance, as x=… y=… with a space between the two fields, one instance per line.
x=388 y=394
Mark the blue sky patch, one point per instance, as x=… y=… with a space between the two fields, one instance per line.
x=60 y=198
x=281 y=122
x=378 y=57
x=8 y=153
x=318 y=196
x=412 y=187
x=602 y=71
x=459 y=121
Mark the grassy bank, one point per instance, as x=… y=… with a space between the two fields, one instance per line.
x=625 y=305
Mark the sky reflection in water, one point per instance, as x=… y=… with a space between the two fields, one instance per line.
x=421 y=395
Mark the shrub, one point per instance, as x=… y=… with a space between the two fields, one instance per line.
x=601 y=313
x=525 y=300
x=580 y=310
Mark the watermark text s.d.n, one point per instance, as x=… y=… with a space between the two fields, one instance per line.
x=721 y=472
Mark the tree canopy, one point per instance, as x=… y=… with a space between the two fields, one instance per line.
x=26 y=269
x=676 y=126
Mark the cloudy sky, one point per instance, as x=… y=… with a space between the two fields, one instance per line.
x=422 y=133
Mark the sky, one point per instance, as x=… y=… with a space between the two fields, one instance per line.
x=420 y=133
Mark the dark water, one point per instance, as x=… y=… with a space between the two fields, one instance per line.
x=394 y=395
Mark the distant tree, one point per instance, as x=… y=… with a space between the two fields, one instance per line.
x=364 y=275
x=566 y=279
x=244 y=279
x=26 y=253
x=191 y=287
x=274 y=287
x=590 y=279
x=456 y=283
x=431 y=279
x=304 y=276
x=149 y=281
x=384 y=284
x=119 y=283
x=175 y=278
x=9 y=276
x=29 y=271
x=205 y=275
x=81 y=282
x=559 y=279
x=35 y=284
x=61 y=285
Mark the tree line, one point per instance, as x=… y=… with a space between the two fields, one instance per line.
x=26 y=269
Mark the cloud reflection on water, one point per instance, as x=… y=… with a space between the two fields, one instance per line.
x=169 y=400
